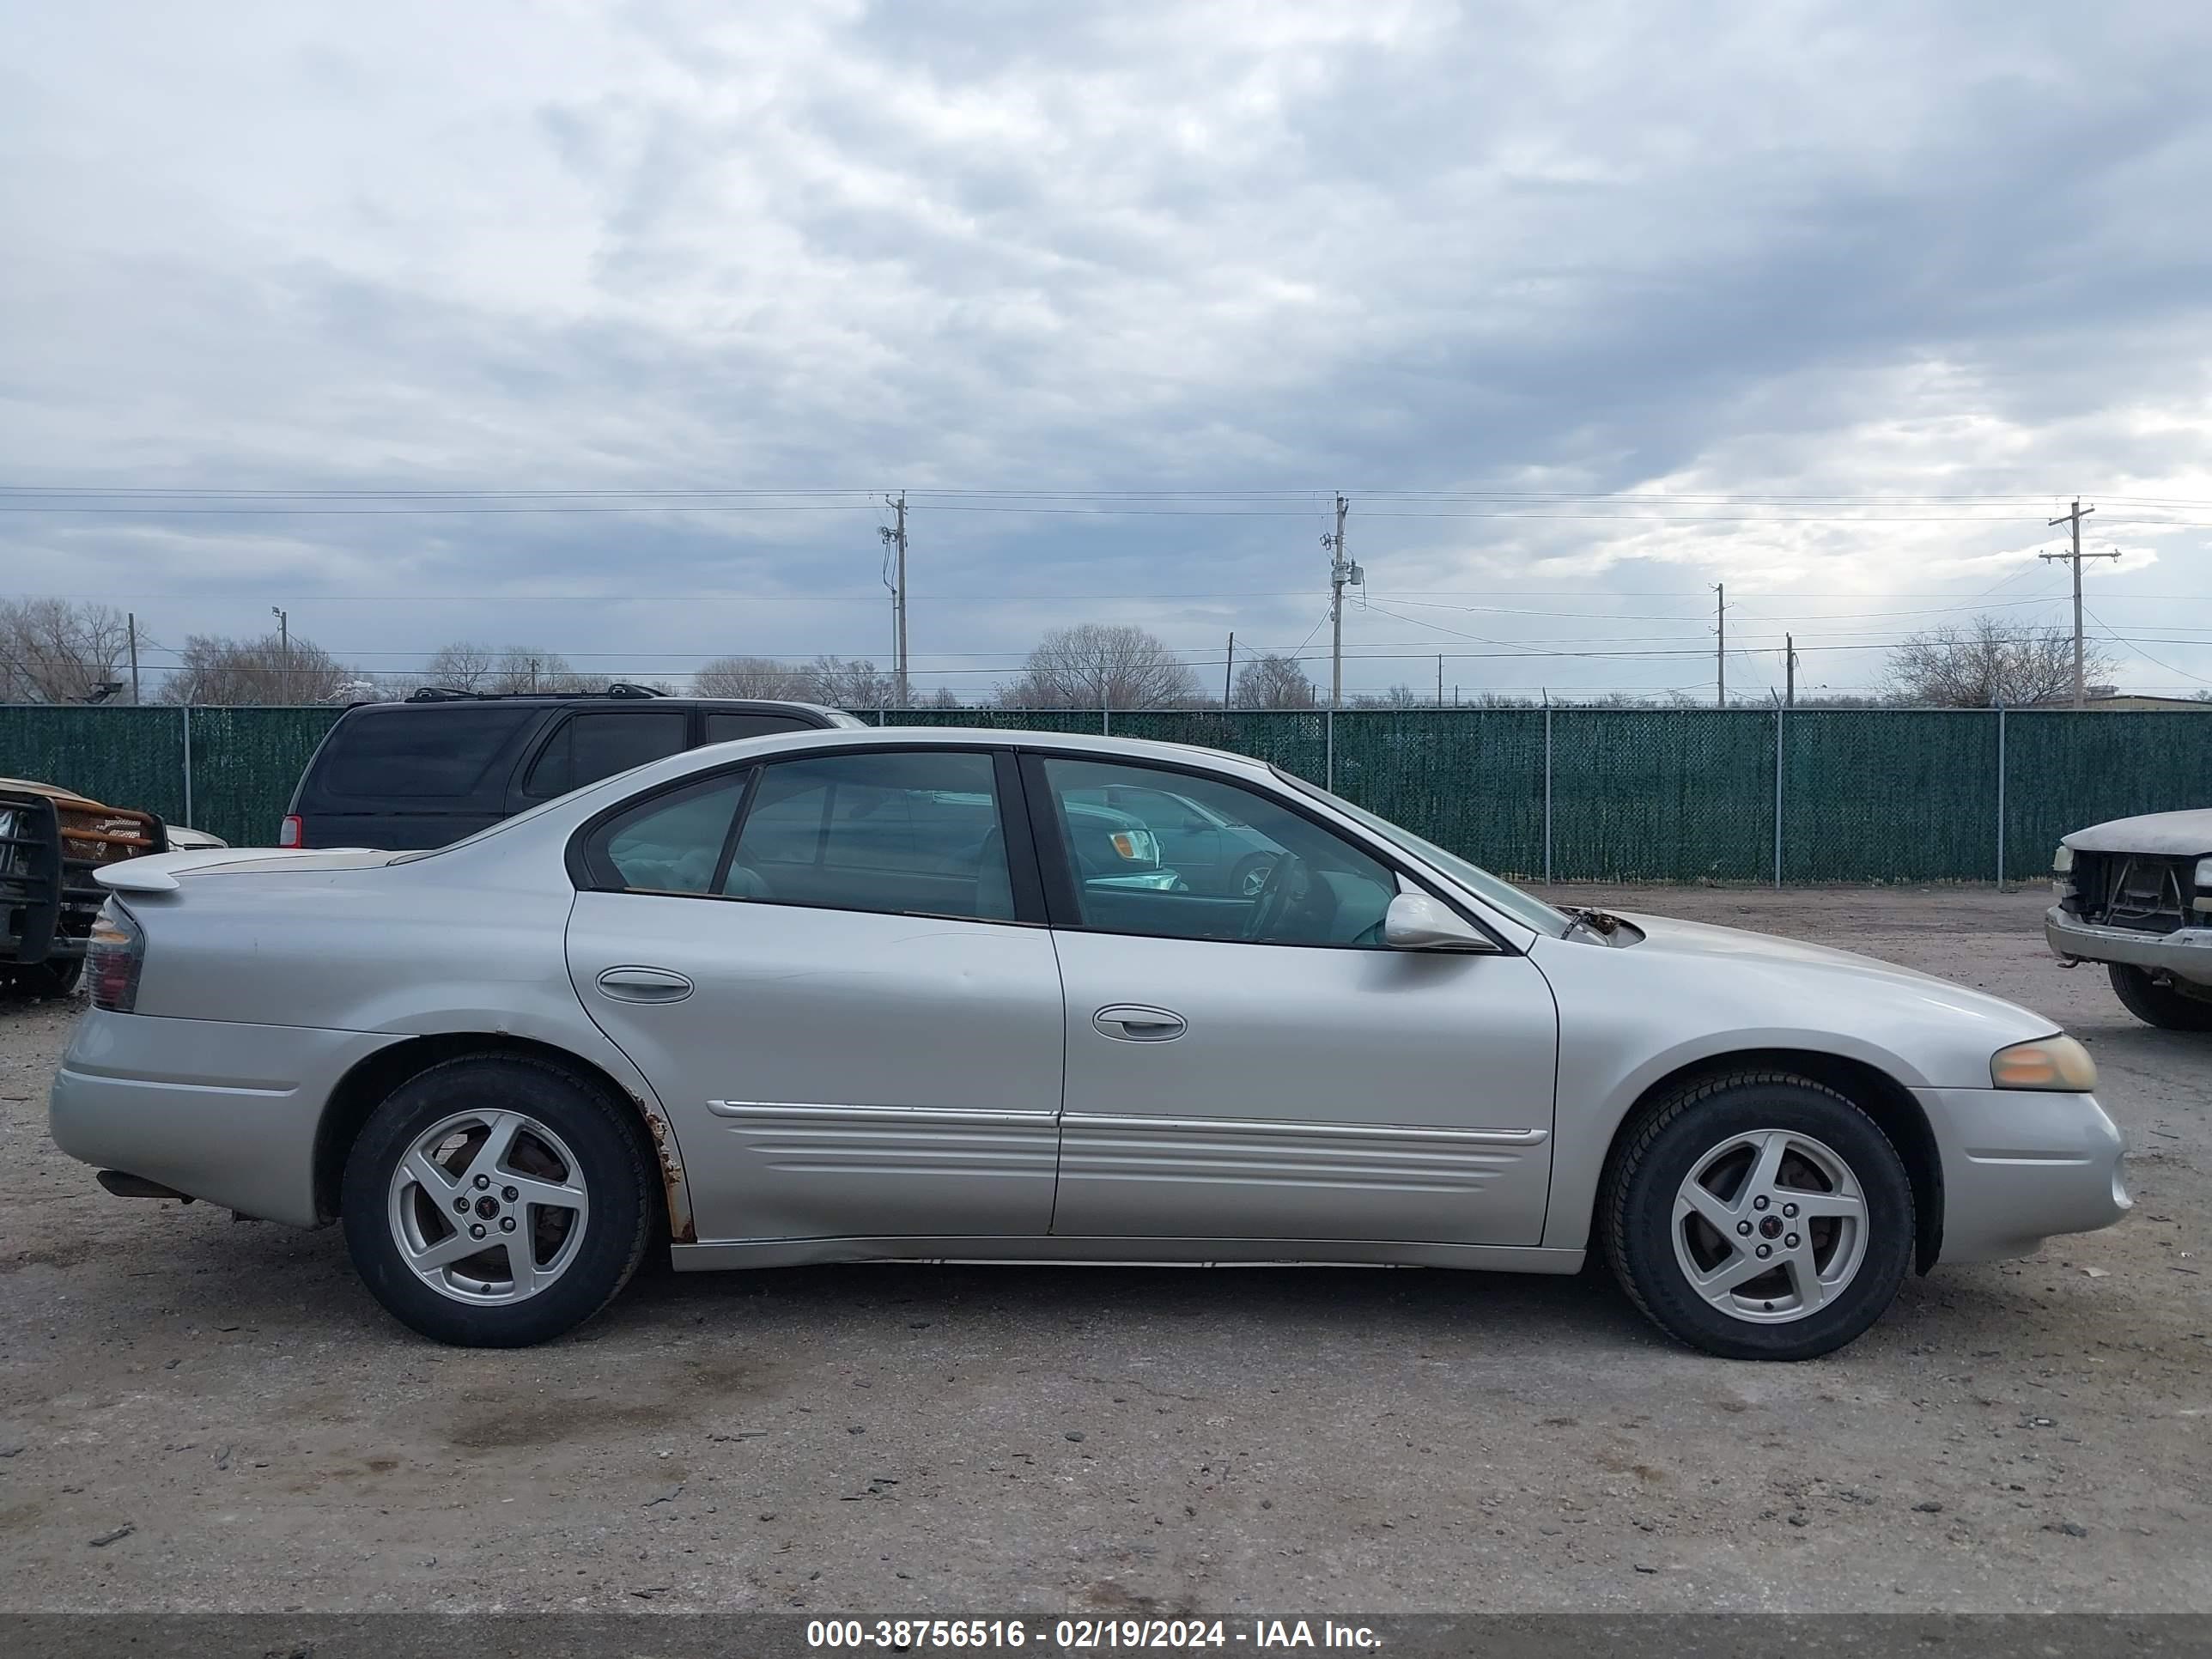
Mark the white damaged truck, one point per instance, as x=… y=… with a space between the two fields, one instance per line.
x=2136 y=895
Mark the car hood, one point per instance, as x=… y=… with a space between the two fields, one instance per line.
x=1788 y=967
x=2187 y=833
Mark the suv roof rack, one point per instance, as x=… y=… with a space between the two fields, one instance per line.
x=617 y=689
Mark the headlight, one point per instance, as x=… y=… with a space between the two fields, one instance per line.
x=2063 y=861
x=2051 y=1063
x=1135 y=846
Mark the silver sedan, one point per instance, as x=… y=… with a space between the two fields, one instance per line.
x=860 y=995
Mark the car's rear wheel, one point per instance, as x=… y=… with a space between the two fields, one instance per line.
x=496 y=1202
x=2157 y=1005
x=1760 y=1216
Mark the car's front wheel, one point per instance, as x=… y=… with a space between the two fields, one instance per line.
x=496 y=1202
x=2162 y=1006
x=1760 y=1216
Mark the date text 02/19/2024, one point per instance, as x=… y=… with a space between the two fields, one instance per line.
x=1085 y=1635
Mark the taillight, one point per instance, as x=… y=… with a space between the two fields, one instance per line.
x=114 y=957
x=292 y=832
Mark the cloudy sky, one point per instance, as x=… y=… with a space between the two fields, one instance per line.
x=1585 y=308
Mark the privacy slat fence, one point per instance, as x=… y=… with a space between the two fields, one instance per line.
x=1596 y=794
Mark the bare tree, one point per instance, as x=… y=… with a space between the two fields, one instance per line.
x=1272 y=680
x=1102 y=666
x=212 y=669
x=944 y=697
x=752 y=676
x=856 y=684
x=532 y=668
x=53 y=651
x=1987 y=662
x=462 y=666
x=1398 y=696
x=465 y=666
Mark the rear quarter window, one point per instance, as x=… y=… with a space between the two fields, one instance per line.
x=417 y=754
x=731 y=726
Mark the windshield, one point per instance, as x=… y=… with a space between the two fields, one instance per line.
x=1524 y=907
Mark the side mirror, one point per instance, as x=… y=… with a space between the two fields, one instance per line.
x=1415 y=922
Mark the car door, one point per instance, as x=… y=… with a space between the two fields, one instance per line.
x=833 y=970
x=1261 y=1067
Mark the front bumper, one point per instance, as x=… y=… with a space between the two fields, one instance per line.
x=2021 y=1164
x=2187 y=953
x=225 y=1112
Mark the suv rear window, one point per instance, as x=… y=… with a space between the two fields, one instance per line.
x=403 y=753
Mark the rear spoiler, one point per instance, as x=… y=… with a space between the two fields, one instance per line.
x=159 y=873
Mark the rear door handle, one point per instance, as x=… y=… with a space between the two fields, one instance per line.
x=1133 y=1022
x=635 y=984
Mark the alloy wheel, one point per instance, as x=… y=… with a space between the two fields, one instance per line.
x=489 y=1207
x=1769 y=1226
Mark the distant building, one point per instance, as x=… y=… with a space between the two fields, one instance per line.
x=2106 y=699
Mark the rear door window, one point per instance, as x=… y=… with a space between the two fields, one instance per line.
x=414 y=754
x=596 y=743
x=916 y=832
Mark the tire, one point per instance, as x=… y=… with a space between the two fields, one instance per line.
x=2157 y=1005
x=1831 y=1156
x=57 y=977
x=563 y=1139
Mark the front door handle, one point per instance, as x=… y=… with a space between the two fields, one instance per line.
x=635 y=984
x=1132 y=1022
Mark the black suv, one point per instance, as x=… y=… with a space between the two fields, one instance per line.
x=444 y=764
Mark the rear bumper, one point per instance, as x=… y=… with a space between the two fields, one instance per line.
x=225 y=1112
x=2021 y=1164
x=2186 y=952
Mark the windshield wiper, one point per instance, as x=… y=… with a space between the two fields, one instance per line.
x=1603 y=923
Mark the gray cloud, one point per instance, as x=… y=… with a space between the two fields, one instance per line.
x=1808 y=249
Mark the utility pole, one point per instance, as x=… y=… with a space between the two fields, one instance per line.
x=896 y=539
x=1229 y=673
x=1341 y=571
x=1720 y=646
x=2075 y=518
x=1440 y=679
x=533 y=676
x=133 y=625
x=1790 y=670
x=284 y=650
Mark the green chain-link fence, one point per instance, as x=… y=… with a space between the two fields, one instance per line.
x=1596 y=795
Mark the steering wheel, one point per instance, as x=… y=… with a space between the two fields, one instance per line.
x=1289 y=882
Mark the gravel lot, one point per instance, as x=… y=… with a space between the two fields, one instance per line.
x=2031 y=1435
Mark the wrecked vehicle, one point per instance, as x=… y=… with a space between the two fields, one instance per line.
x=52 y=840
x=2135 y=894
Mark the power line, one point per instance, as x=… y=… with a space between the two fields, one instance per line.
x=633 y=508
x=953 y=493
x=2169 y=667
